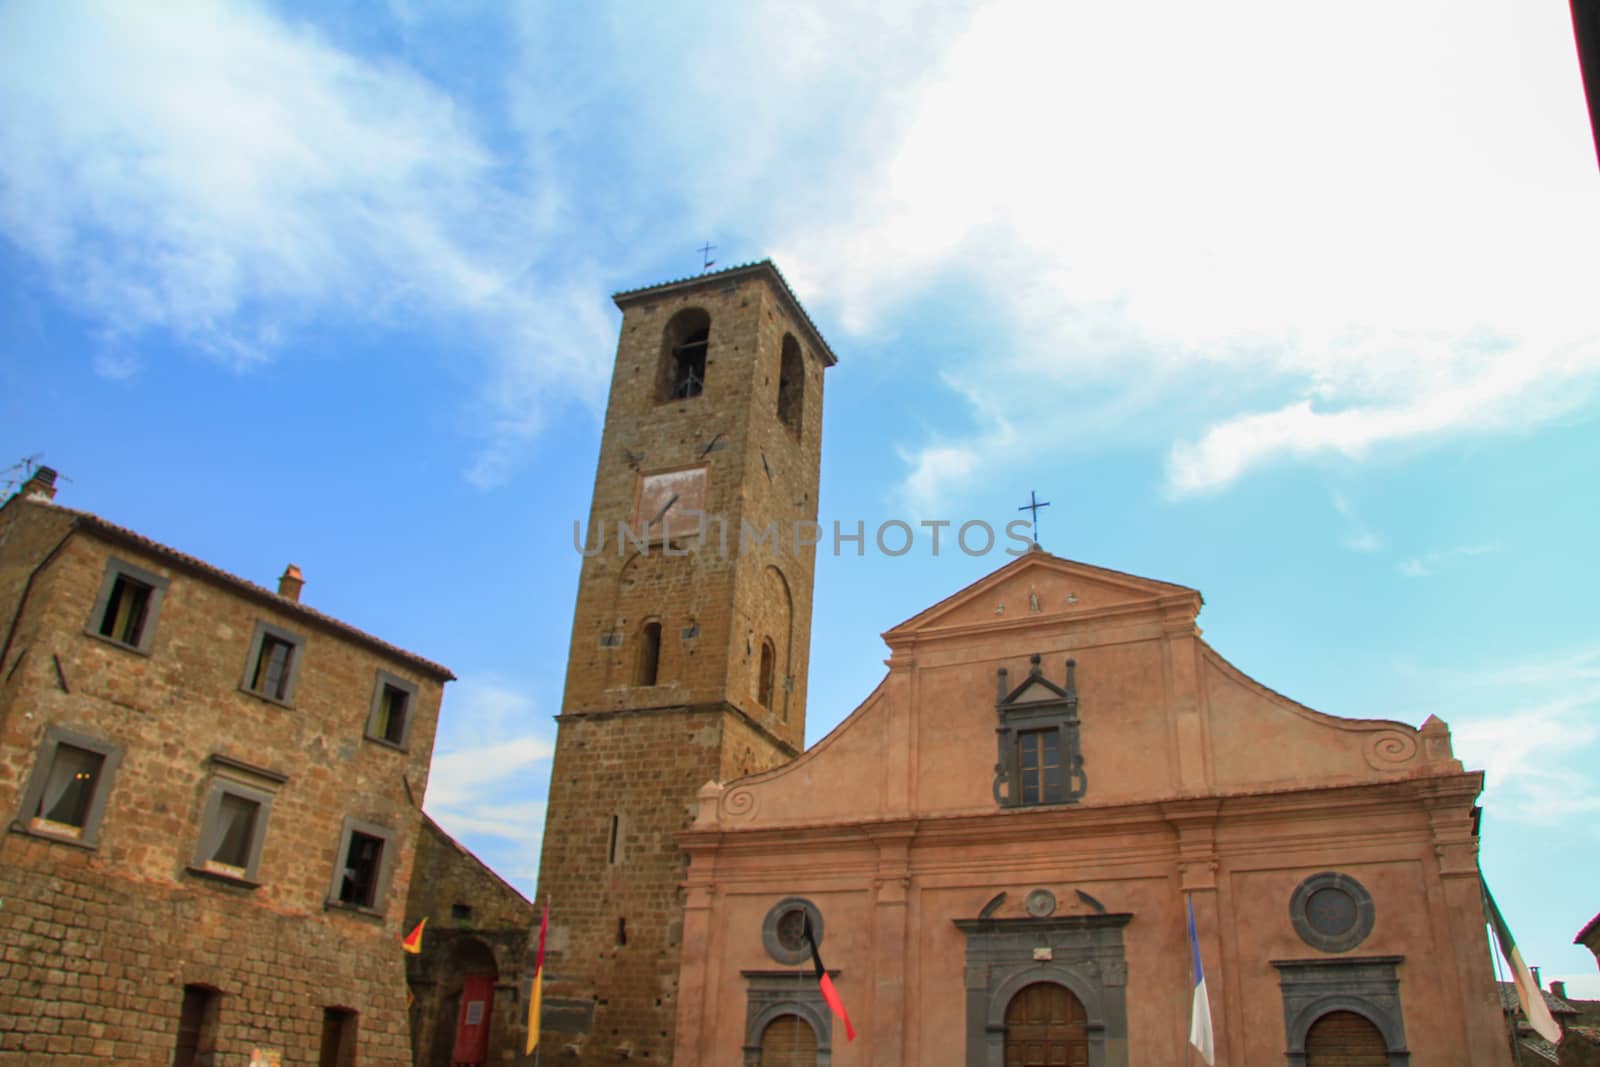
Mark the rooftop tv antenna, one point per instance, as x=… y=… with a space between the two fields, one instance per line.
x=19 y=472
x=705 y=251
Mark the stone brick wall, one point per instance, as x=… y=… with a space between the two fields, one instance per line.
x=99 y=942
x=499 y=937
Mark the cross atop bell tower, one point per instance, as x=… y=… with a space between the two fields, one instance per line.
x=691 y=635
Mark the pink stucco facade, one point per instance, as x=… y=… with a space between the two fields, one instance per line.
x=1199 y=784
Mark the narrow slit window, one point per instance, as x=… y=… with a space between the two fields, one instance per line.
x=791 y=386
x=649 y=654
x=611 y=841
x=765 y=677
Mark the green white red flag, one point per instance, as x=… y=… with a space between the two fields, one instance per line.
x=1534 y=1009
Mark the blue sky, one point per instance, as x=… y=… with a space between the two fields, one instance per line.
x=1290 y=304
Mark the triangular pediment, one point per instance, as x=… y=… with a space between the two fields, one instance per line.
x=1036 y=690
x=1039 y=584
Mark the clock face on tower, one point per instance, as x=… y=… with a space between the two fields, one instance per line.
x=670 y=504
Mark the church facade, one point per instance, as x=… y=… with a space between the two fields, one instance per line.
x=998 y=851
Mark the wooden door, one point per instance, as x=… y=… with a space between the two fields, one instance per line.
x=788 y=1042
x=1046 y=1026
x=1345 y=1039
x=472 y=1022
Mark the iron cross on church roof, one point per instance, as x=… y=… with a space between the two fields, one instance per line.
x=1033 y=505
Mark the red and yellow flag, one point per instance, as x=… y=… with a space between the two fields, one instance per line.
x=412 y=942
x=536 y=994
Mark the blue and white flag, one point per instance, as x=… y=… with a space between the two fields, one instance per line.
x=1200 y=1009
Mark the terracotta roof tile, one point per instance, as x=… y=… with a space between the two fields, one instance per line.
x=743 y=268
x=94 y=524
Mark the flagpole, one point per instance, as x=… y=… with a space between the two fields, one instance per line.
x=1499 y=973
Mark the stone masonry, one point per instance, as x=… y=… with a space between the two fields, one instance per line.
x=112 y=934
x=730 y=598
x=477 y=925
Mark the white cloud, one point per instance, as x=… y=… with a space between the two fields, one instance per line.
x=1359 y=539
x=230 y=177
x=460 y=777
x=490 y=775
x=1429 y=563
x=1231 y=232
x=1537 y=741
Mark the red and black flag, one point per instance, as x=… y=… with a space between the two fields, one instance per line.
x=830 y=994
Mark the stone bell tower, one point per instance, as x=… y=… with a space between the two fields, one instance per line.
x=690 y=638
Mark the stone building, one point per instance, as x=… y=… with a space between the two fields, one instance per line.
x=210 y=793
x=690 y=637
x=997 y=850
x=468 y=982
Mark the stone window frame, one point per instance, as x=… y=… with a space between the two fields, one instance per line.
x=770 y=995
x=386 y=863
x=685 y=323
x=1366 y=912
x=88 y=835
x=231 y=777
x=769 y=930
x=1017 y=713
x=297 y=642
x=1368 y=986
x=1086 y=956
x=116 y=568
x=386 y=680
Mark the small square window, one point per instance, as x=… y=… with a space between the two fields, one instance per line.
x=233 y=823
x=126 y=607
x=66 y=796
x=393 y=701
x=365 y=860
x=273 y=665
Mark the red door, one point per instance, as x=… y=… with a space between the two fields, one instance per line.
x=472 y=1026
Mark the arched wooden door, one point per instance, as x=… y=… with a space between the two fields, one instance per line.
x=788 y=1041
x=1345 y=1039
x=1046 y=1026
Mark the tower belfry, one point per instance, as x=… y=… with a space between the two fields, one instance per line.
x=690 y=638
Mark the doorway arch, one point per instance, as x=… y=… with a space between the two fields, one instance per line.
x=1046 y=1026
